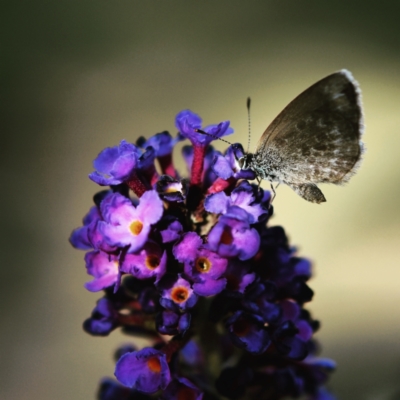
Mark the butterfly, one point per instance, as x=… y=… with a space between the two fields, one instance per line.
x=315 y=139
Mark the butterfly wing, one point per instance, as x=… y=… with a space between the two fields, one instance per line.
x=316 y=138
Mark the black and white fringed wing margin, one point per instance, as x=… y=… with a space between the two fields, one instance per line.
x=315 y=139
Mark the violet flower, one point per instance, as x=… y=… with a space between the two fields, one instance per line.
x=227 y=166
x=260 y=300
x=88 y=236
x=171 y=323
x=111 y=390
x=181 y=388
x=238 y=276
x=162 y=143
x=233 y=236
x=187 y=122
x=247 y=331
x=79 y=237
x=192 y=265
x=103 y=320
x=172 y=231
x=146 y=370
x=114 y=165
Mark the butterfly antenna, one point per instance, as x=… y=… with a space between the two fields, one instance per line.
x=249 y=122
x=213 y=136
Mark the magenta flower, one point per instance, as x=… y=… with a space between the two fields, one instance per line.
x=97 y=238
x=177 y=294
x=147 y=263
x=103 y=267
x=145 y=370
x=244 y=196
x=204 y=267
x=126 y=225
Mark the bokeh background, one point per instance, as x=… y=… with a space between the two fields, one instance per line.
x=77 y=76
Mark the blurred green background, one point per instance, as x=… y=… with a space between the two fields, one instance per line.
x=77 y=76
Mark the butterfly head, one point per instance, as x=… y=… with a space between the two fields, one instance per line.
x=245 y=161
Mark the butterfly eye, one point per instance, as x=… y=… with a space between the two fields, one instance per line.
x=242 y=163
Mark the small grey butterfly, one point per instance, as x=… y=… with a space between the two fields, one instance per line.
x=315 y=139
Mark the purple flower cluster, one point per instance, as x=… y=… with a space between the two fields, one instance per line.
x=191 y=265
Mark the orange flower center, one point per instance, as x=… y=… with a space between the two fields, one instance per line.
x=136 y=227
x=152 y=261
x=226 y=237
x=179 y=294
x=203 y=264
x=154 y=364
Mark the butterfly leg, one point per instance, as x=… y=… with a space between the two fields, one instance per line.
x=274 y=193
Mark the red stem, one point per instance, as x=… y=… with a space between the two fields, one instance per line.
x=199 y=153
x=167 y=166
x=136 y=185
